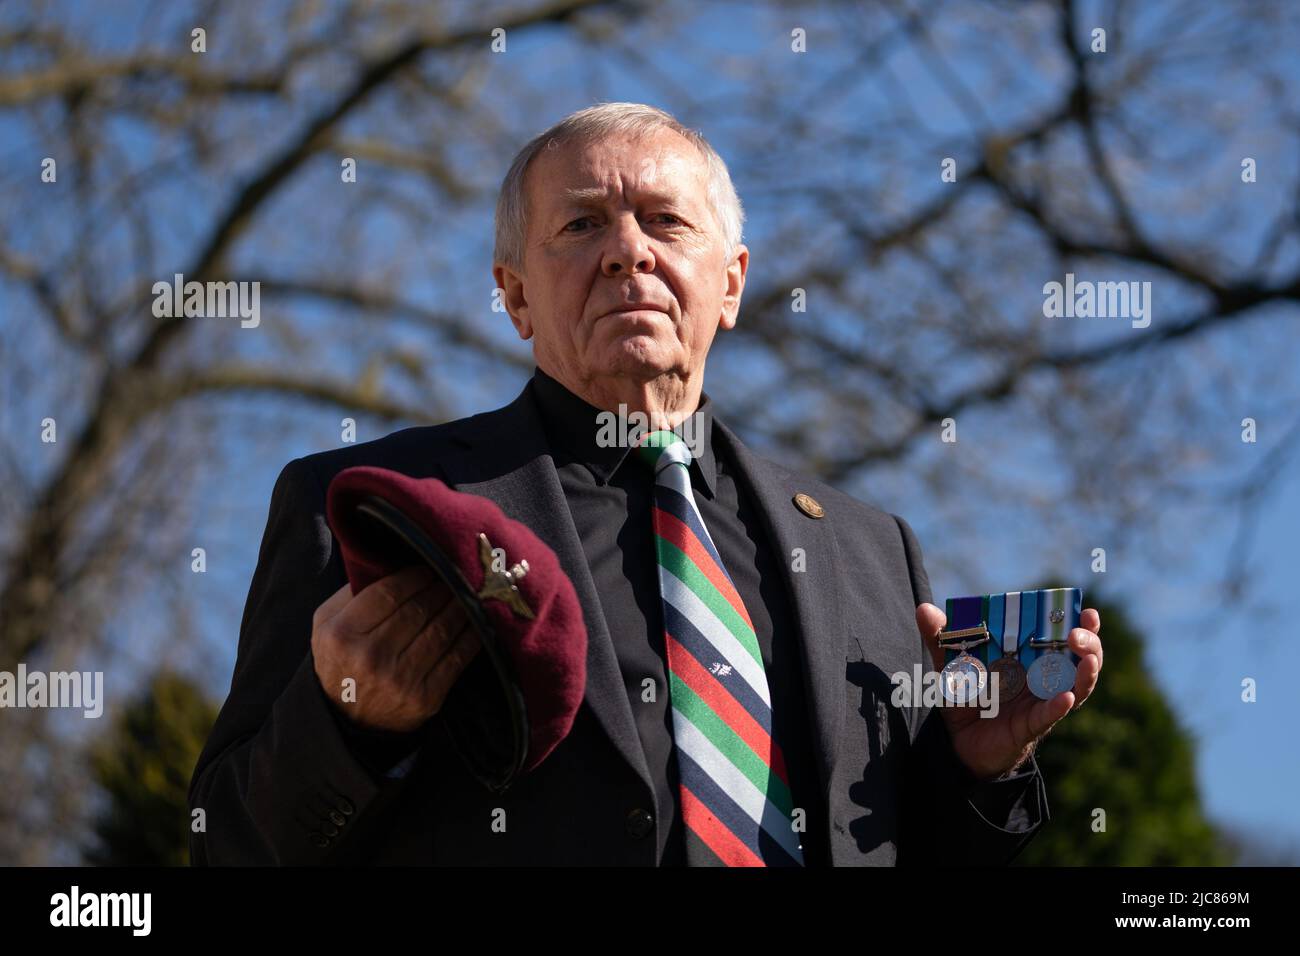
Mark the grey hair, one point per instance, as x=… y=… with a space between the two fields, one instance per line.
x=594 y=122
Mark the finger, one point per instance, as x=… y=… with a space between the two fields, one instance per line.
x=333 y=604
x=381 y=599
x=1085 y=679
x=439 y=680
x=426 y=616
x=430 y=642
x=413 y=616
x=1086 y=644
x=1090 y=620
x=930 y=621
x=1044 y=714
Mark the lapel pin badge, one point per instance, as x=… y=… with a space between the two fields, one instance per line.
x=809 y=506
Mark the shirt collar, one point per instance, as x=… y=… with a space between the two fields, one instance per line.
x=572 y=425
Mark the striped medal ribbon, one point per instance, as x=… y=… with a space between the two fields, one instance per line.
x=735 y=790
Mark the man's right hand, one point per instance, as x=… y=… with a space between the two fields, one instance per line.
x=404 y=640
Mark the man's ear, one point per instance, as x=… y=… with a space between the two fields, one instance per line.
x=512 y=297
x=735 y=287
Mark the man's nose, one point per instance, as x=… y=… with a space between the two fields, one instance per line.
x=627 y=249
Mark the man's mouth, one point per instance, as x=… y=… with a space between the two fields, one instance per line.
x=636 y=312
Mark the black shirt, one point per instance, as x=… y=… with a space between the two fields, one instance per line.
x=609 y=495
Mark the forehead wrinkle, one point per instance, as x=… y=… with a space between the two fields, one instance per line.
x=597 y=195
x=584 y=195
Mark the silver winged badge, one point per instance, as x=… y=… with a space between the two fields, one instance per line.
x=500 y=585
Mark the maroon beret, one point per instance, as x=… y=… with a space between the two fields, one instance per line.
x=517 y=699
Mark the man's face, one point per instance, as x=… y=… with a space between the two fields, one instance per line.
x=624 y=276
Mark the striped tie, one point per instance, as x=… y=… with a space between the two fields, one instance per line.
x=735 y=791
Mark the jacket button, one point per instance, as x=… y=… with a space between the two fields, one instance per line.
x=329 y=830
x=337 y=818
x=319 y=839
x=346 y=806
x=639 y=822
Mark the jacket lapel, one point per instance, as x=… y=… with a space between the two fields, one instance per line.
x=506 y=459
x=820 y=623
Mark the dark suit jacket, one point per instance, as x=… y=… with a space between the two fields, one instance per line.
x=278 y=782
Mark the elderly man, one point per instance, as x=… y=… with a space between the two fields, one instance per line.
x=618 y=254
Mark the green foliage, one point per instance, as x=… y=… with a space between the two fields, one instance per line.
x=1123 y=752
x=144 y=765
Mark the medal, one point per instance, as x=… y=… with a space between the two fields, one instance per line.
x=1053 y=670
x=1011 y=677
x=1011 y=673
x=1052 y=673
x=962 y=678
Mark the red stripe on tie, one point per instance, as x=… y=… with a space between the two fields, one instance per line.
x=729 y=847
x=670 y=528
x=732 y=712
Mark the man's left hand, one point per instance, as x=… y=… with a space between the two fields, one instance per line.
x=991 y=746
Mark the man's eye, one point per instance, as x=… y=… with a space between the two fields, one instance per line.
x=670 y=216
x=583 y=219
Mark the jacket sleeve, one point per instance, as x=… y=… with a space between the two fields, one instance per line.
x=281 y=780
x=951 y=818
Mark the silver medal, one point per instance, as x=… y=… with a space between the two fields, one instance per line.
x=1051 y=674
x=963 y=678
